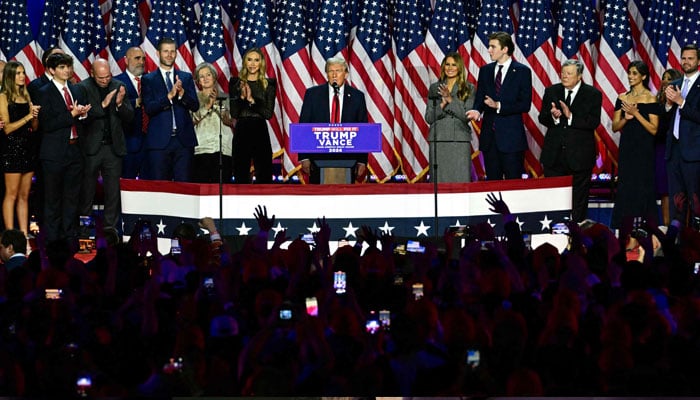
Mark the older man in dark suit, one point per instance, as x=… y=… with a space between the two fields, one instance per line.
x=333 y=102
x=571 y=113
x=503 y=94
x=62 y=105
x=103 y=142
x=134 y=162
x=683 y=139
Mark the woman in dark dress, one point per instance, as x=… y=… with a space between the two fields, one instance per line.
x=252 y=103
x=637 y=119
x=18 y=156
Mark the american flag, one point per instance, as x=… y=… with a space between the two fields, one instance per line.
x=534 y=47
x=230 y=13
x=166 y=21
x=83 y=35
x=191 y=10
x=653 y=23
x=447 y=33
x=687 y=30
x=330 y=37
x=373 y=67
x=615 y=52
x=126 y=32
x=411 y=82
x=577 y=31
x=254 y=31
x=16 y=40
x=210 y=45
x=292 y=41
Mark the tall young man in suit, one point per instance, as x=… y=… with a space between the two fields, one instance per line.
x=683 y=139
x=103 y=142
x=571 y=113
x=168 y=97
x=318 y=107
x=62 y=106
x=134 y=161
x=503 y=94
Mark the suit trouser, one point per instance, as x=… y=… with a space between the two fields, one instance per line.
x=683 y=177
x=109 y=165
x=62 y=179
x=581 y=185
x=499 y=165
x=174 y=162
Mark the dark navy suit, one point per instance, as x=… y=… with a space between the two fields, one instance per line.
x=61 y=160
x=135 y=158
x=316 y=109
x=683 y=154
x=503 y=140
x=170 y=152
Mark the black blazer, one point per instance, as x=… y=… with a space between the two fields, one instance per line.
x=55 y=121
x=98 y=117
x=578 y=139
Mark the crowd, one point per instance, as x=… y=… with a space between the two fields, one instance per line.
x=489 y=317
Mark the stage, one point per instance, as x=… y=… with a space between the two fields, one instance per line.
x=406 y=210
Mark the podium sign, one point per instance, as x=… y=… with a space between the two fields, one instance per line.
x=335 y=138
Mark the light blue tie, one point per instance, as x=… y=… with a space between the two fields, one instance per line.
x=169 y=85
x=677 y=120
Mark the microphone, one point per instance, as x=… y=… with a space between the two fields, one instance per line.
x=221 y=98
x=335 y=86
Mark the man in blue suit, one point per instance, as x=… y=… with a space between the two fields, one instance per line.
x=503 y=94
x=683 y=139
x=318 y=108
x=134 y=131
x=62 y=108
x=168 y=97
x=13 y=249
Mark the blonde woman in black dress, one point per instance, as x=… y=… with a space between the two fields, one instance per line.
x=19 y=116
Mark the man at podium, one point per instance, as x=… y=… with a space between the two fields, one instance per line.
x=334 y=102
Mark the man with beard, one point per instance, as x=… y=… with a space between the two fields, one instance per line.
x=134 y=131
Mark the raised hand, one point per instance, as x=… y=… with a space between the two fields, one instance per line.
x=498 y=206
x=264 y=223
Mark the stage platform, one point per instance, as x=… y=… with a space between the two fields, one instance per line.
x=406 y=210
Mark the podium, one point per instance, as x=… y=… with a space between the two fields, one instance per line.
x=335 y=148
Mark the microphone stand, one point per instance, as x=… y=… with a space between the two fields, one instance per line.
x=434 y=175
x=221 y=165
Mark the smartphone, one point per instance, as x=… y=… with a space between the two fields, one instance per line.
x=527 y=238
x=312 y=306
x=53 y=294
x=385 y=318
x=145 y=233
x=83 y=384
x=400 y=249
x=208 y=283
x=696 y=268
x=339 y=282
x=560 y=228
x=473 y=358
x=414 y=247
x=285 y=314
x=486 y=244
x=372 y=326
x=173 y=365
x=417 y=291
x=85 y=220
x=343 y=243
x=175 y=246
x=308 y=238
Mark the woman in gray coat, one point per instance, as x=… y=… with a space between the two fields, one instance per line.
x=450 y=131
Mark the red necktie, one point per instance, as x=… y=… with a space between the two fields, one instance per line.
x=144 y=116
x=69 y=106
x=335 y=111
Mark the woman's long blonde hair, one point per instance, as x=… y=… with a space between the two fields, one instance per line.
x=463 y=90
x=262 y=71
